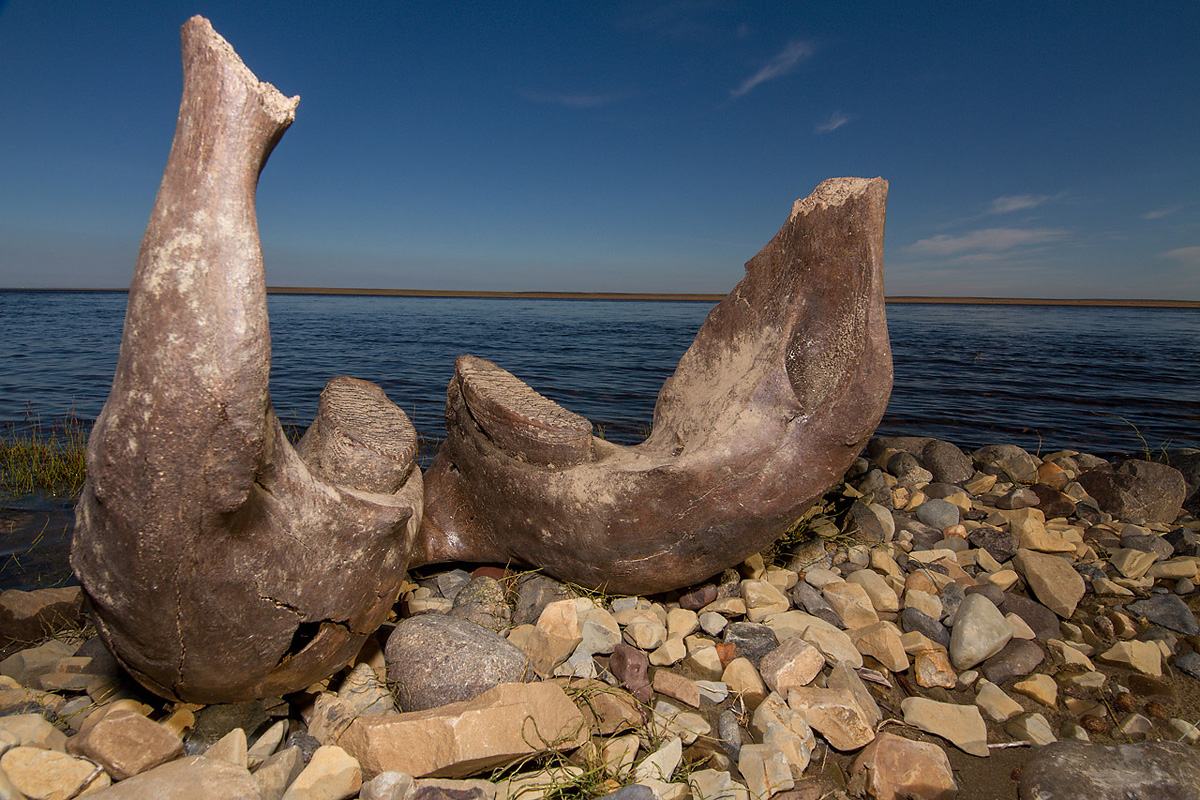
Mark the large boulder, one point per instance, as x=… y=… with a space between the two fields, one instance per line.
x=1137 y=490
x=1070 y=770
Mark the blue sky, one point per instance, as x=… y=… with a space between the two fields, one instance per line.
x=1033 y=149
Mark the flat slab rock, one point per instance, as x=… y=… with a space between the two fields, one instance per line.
x=1078 y=771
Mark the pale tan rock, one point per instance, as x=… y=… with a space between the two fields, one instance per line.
x=672 y=651
x=714 y=784
x=646 y=632
x=669 y=720
x=884 y=562
x=993 y=701
x=662 y=763
x=125 y=743
x=50 y=774
x=682 y=622
x=843 y=676
x=833 y=643
x=881 y=641
x=765 y=770
x=329 y=718
x=744 y=681
x=536 y=785
x=895 y=768
x=619 y=753
x=928 y=604
x=796 y=750
x=781 y=578
x=705 y=662
x=962 y=726
x=774 y=711
x=561 y=619
x=1173 y=570
x=1053 y=580
x=501 y=725
x=1040 y=688
x=1004 y=578
x=1030 y=727
x=915 y=641
x=835 y=714
x=1131 y=563
x=1145 y=657
x=794 y=663
x=31 y=730
x=1020 y=627
x=25 y=666
x=762 y=600
x=932 y=668
x=331 y=774
x=882 y=596
x=267 y=744
x=277 y=772
x=1033 y=535
x=1071 y=654
x=677 y=686
x=851 y=603
x=726 y=607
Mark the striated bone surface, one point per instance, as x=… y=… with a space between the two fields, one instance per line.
x=222 y=564
x=777 y=395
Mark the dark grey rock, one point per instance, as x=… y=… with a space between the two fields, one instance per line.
x=632 y=791
x=870 y=527
x=1080 y=771
x=1184 y=542
x=990 y=591
x=952 y=596
x=941 y=490
x=1190 y=663
x=907 y=444
x=938 y=514
x=483 y=602
x=214 y=721
x=1148 y=543
x=913 y=620
x=1041 y=620
x=875 y=488
x=752 y=639
x=947 y=463
x=435 y=792
x=1052 y=502
x=1137 y=490
x=1000 y=544
x=729 y=733
x=1187 y=461
x=1169 y=611
x=534 y=592
x=908 y=469
x=434 y=659
x=306 y=744
x=1020 y=497
x=1018 y=658
x=451 y=582
x=1007 y=461
x=806 y=597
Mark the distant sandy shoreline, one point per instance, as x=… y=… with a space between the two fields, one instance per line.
x=681 y=297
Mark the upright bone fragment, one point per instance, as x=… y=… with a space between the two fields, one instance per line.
x=220 y=563
x=777 y=395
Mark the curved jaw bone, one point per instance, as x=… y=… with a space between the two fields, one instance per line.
x=777 y=395
x=221 y=564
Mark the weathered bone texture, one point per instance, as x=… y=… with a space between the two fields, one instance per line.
x=220 y=563
x=777 y=395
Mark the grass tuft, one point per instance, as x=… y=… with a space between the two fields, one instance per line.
x=35 y=460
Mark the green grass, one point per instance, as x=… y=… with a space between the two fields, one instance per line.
x=35 y=460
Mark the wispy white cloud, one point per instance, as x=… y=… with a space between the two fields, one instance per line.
x=1159 y=213
x=1189 y=256
x=782 y=64
x=576 y=101
x=1017 y=202
x=836 y=120
x=986 y=240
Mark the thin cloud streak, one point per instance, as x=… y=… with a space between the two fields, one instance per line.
x=986 y=240
x=780 y=65
x=836 y=120
x=1159 y=213
x=1020 y=202
x=1184 y=255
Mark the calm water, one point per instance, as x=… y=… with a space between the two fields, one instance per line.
x=1040 y=377
x=1048 y=377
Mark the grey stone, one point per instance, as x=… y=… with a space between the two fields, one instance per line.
x=804 y=596
x=213 y=722
x=1137 y=490
x=1020 y=497
x=980 y=632
x=875 y=488
x=946 y=462
x=387 y=786
x=1169 y=611
x=632 y=791
x=1000 y=544
x=1189 y=663
x=729 y=733
x=939 y=514
x=1148 y=543
x=1018 y=658
x=1041 y=620
x=534 y=592
x=752 y=639
x=1007 y=461
x=482 y=601
x=1079 y=771
x=908 y=469
x=435 y=659
x=952 y=596
x=912 y=619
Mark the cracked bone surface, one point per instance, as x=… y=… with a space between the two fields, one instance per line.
x=779 y=392
x=221 y=563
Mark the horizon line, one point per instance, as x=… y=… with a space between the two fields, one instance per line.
x=668 y=296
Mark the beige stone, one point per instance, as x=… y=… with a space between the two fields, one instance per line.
x=744 y=681
x=618 y=754
x=794 y=663
x=851 y=603
x=705 y=662
x=125 y=743
x=672 y=651
x=25 y=666
x=882 y=596
x=682 y=622
x=895 y=768
x=267 y=744
x=1145 y=657
x=501 y=725
x=646 y=632
x=536 y=785
x=1053 y=580
x=1004 y=579
x=662 y=763
x=762 y=600
x=881 y=641
x=1040 y=688
x=928 y=604
x=962 y=726
x=833 y=643
x=727 y=607
x=765 y=770
x=561 y=619
x=774 y=711
x=714 y=784
x=993 y=701
x=49 y=774
x=1131 y=563
x=670 y=720
x=31 y=730
x=835 y=714
x=277 y=772
x=1173 y=570
x=677 y=686
x=932 y=668
x=331 y=774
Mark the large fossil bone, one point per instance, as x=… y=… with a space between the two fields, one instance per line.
x=777 y=395
x=221 y=563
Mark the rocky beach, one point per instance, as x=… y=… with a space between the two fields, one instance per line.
x=940 y=625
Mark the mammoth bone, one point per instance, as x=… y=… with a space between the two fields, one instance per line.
x=223 y=564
